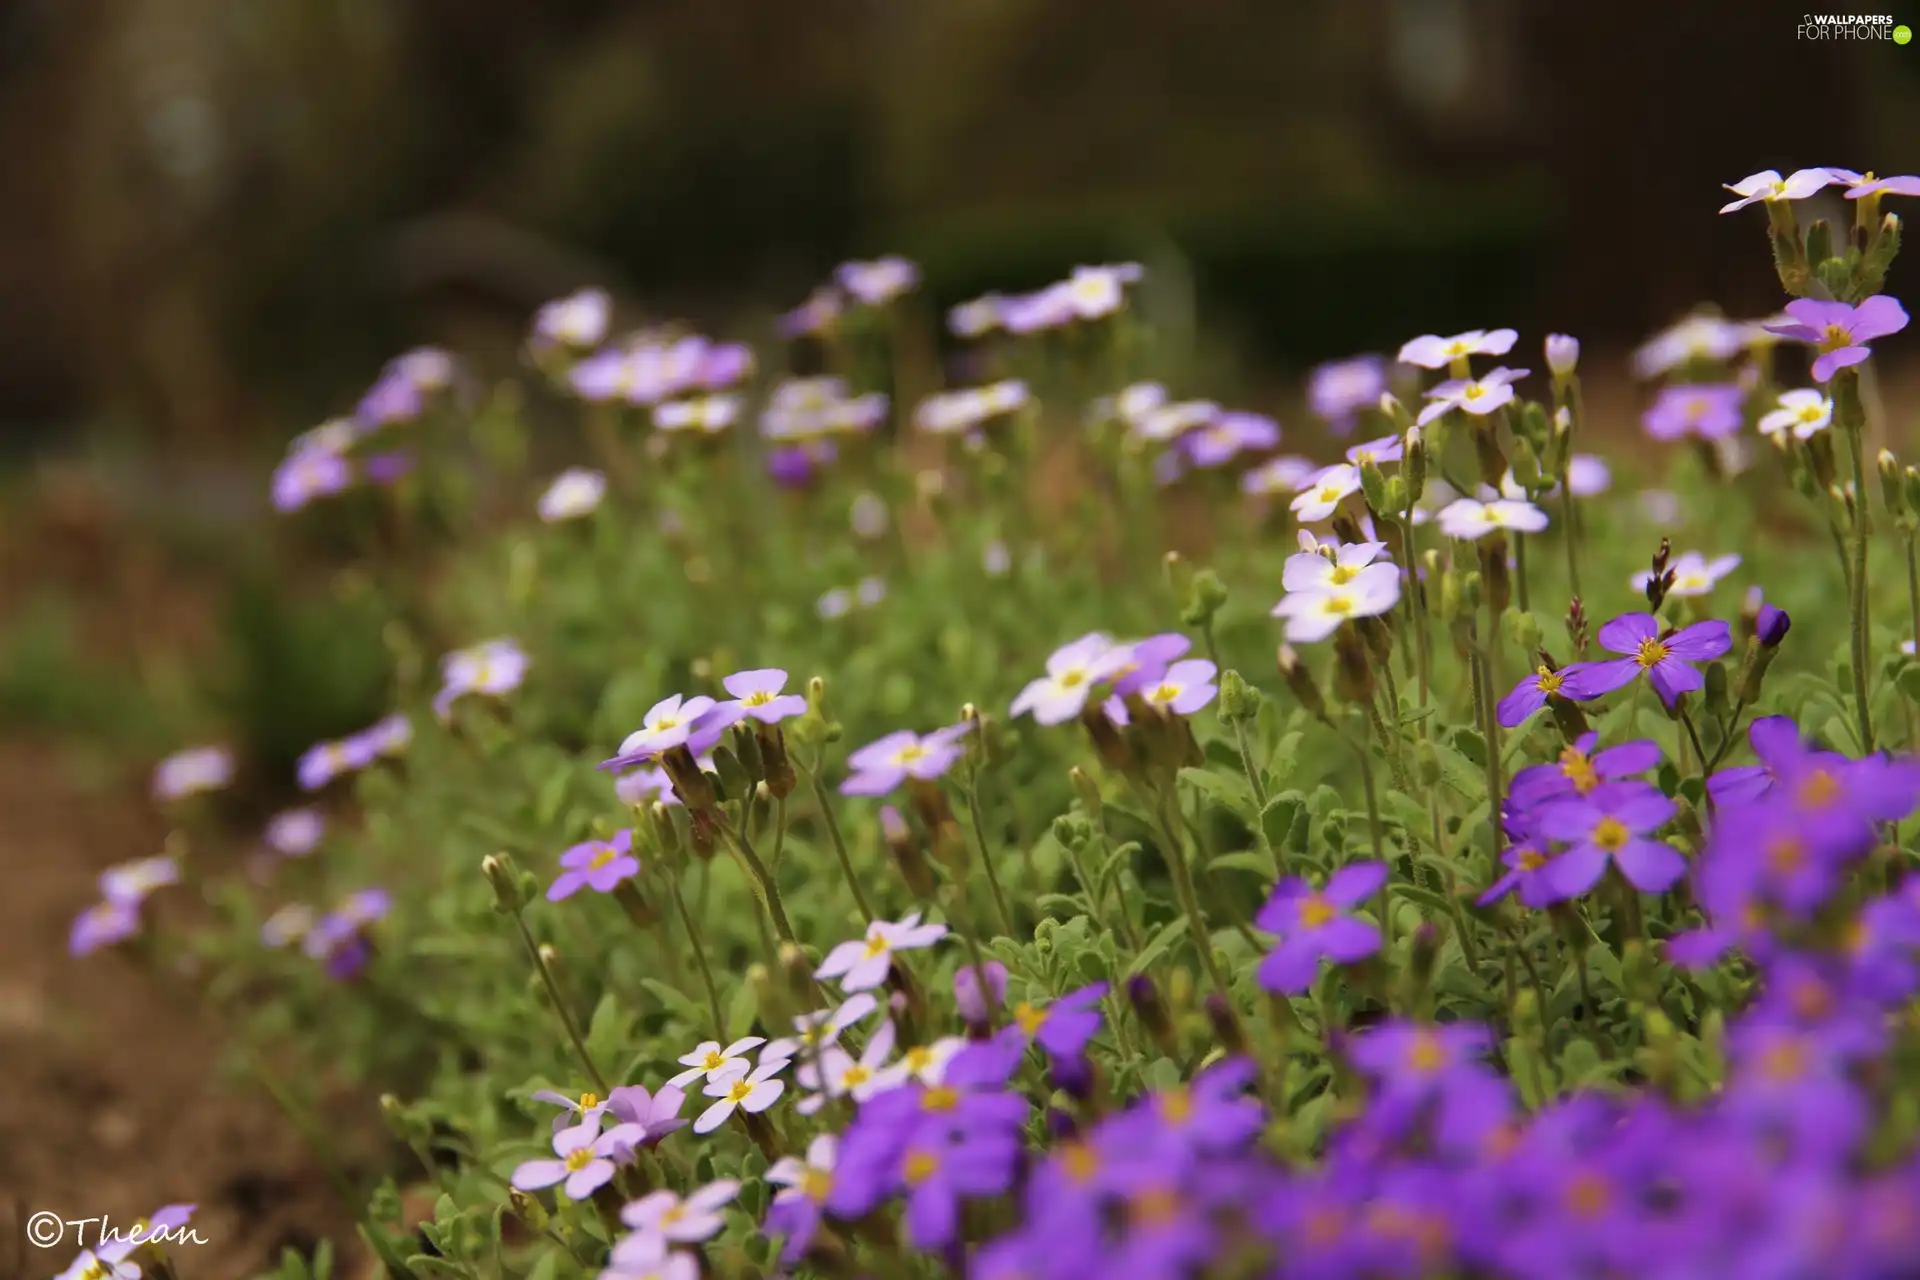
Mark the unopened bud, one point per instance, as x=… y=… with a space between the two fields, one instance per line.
x=1395 y=412
x=1300 y=682
x=1087 y=789
x=1239 y=701
x=1205 y=598
x=504 y=877
x=1151 y=1011
x=907 y=854
x=1227 y=1031
x=1413 y=463
x=1892 y=490
x=1373 y=487
x=1563 y=355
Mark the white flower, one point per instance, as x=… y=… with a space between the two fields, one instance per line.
x=1471 y=519
x=815 y=1031
x=812 y=1177
x=1319 y=497
x=924 y=1063
x=1169 y=422
x=1330 y=565
x=1477 y=396
x=1137 y=401
x=1693 y=574
x=1430 y=351
x=752 y=1093
x=1315 y=615
x=708 y=1059
x=1768 y=186
x=1700 y=337
x=707 y=414
x=662 y=1219
x=133 y=881
x=862 y=965
x=838 y=1074
x=579 y=320
x=89 y=1266
x=1074 y=670
x=575 y=492
x=1285 y=474
x=1092 y=292
x=191 y=772
x=1805 y=412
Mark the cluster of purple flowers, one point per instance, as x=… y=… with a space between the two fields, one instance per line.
x=334 y=456
x=652 y=369
x=326 y=761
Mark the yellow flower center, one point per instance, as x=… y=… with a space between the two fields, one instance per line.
x=1029 y=1018
x=580 y=1159
x=876 y=945
x=919 y=1058
x=1819 y=790
x=1154 y=1207
x=815 y=1184
x=1337 y=604
x=855 y=1075
x=758 y=698
x=666 y=722
x=1316 y=911
x=1811 y=413
x=673 y=1216
x=940 y=1098
x=1342 y=574
x=713 y=1061
x=1164 y=693
x=1785 y=1062
x=737 y=1092
x=1547 y=681
x=1610 y=834
x=1473 y=392
x=1835 y=338
x=1426 y=1055
x=1578 y=770
x=1080 y=1162
x=1176 y=1106
x=1652 y=654
x=1532 y=859
x=1330 y=493
x=1785 y=855
x=1588 y=1196
x=921 y=1165
x=1073 y=678
x=911 y=752
x=606 y=854
x=588 y=1101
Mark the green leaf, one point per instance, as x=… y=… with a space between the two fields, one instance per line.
x=676 y=1002
x=1281 y=813
x=1230 y=791
x=609 y=1030
x=742 y=1010
x=546 y=1267
x=1530 y=1074
x=1170 y=933
x=1426 y=897
x=1257 y=861
x=546 y=806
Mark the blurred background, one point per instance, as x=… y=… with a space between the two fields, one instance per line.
x=222 y=216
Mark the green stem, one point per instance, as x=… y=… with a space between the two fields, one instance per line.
x=699 y=958
x=1848 y=397
x=986 y=857
x=762 y=879
x=1483 y=717
x=1375 y=837
x=1176 y=860
x=560 y=1005
x=1423 y=654
x=1699 y=752
x=839 y=845
x=1520 y=572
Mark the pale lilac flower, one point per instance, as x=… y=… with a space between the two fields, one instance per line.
x=1707 y=410
x=600 y=865
x=707 y=415
x=751 y=1093
x=654 y=1114
x=868 y=516
x=976 y=318
x=308 y=473
x=1768 y=186
x=1806 y=412
x=878 y=282
x=1904 y=185
x=1323 y=494
x=192 y=772
x=1284 y=474
x=295 y=833
x=1334 y=565
x=588 y=1108
x=1184 y=688
x=862 y=965
x=1171 y=421
x=798 y=1205
x=1693 y=574
x=1093 y=292
x=325 y=761
x=815 y=1031
x=288 y=925
x=869 y=592
x=584 y=1162
x=102 y=925
x=1563 y=354
x=335 y=435
x=1661 y=507
x=926 y=1063
x=1587 y=476
x=1339 y=390
x=1709 y=338
x=575 y=492
x=710 y=1062
x=1317 y=614
x=882 y=765
x=339 y=937
x=390 y=736
x=1378 y=452
x=604 y=377
x=816 y=315
x=977 y=991
x=952 y=413
x=838 y=1074
x=724 y=365
x=1476 y=396
x=1431 y=351
x=491 y=668
x=578 y=321
x=131 y=882
x=836 y=602
x=662 y=1219
x=671 y=722
x=1471 y=519
x=758 y=697
x=1050 y=308
x=1074 y=671
x=89 y=1265
x=1228 y=436
x=1136 y=402
x=996 y=559
x=1840 y=331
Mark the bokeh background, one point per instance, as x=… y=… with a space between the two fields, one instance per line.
x=221 y=216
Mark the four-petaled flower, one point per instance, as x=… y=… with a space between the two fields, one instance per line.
x=1662 y=656
x=881 y=766
x=1611 y=825
x=1693 y=574
x=575 y=492
x=1841 y=331
x=1315 y=615
x=1475 y=396
x=1182 y=688
x=797 y=1206
x=751 y=1093
x=584 y=1161
x=862 y=965
x=838 y=1074
x=1430 y=351
x=662 y=1219
x=757 y=695
x=1532 y=693
x=1470 y=519
x=492 y=668
x=694 y=723
x=1323 y=493
x=599 y=865
x=1768 y=186
x=1711 y=411
x=711 y=1062
x=1314 y=923
x=1805 y=412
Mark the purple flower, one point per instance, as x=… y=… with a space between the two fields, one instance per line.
x=1662 y=656
x=1563 y=354
x=102 y=925
x=1064 y=1027
x=1770 y=625
x=815 y=315
x=191 y=772
x=940 y=1170
x=796 y=1209
x=1340 y=390
x=1526 y=862
x=307 y=473
x=976 y=1006
x=1710 y=411
x=1768 y=186
x=1228 y=436
x=1312 y=924
x=1074 y=671
x=1579 y=770
x=1532 y=693
x=881 y=766
x=599 y=865
x=1183 y=688
x=863 y=964
x=339 y=939
x=1839 y=330
x=759 y=698
x=654 y=1115
x=1612 y=825
x=1417 y=1068
x=491 y=668
x=1792 y=1082
x=693 y=723
x=295 y=833
x=325 y=761
x=1430 y=351
x=131 y=882
x=722 y=365
x=879 y=282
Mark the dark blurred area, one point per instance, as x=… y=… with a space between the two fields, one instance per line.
x=221 y=215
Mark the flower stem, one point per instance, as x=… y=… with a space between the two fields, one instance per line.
x=839 y=846
x=560 y=1004
x=1423 y=655
x=986 y=857
x=1847 y=405
x=1176 y=859
x=762 y=879
x=700 y=958
x=1361 y=750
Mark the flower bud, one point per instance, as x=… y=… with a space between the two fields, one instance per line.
x=907 y=854
x=1892 y=489
x=1151 y=1011
x=1413 y=463
x=1205 y=597
x=1227 y=1031
x=1772 y=626
x=1087 y=789
x=1426 y=763
x=1373 y=487
x=1352 y=668
x=1523 y=629
x=1395 y=412
x=1300 y=682
x=504 y=877
x=1239 y=701
x=1563 y=355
